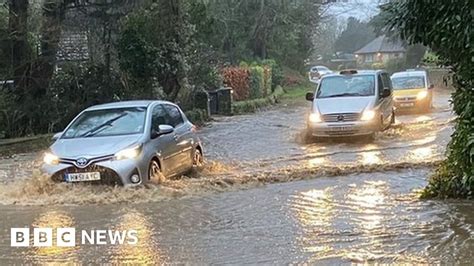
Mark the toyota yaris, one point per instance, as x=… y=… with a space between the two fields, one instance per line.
x=124 y=143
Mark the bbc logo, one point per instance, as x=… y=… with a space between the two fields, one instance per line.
x=42 y=237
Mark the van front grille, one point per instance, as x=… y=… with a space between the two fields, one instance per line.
x=341 y=117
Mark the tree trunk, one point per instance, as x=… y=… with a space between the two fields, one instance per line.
x=18 y=28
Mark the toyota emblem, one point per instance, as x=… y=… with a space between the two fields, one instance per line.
x=81 y=162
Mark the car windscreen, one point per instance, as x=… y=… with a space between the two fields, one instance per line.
x=346 y=86
x=405 y=83
x=107 y=122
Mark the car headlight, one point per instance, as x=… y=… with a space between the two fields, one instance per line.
x=128 y=153
x=50 y=158
x=367 y=115
x=314 y=118
x=421 y=95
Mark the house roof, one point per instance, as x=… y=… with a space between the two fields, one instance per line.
x=381 y=44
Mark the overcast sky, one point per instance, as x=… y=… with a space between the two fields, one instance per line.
x=361 y=9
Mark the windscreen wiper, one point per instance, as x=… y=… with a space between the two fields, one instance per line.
x=344 y=94
x=96 y=129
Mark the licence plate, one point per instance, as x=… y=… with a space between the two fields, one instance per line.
x=341 y=128
x=81 y=177
x=407 y=104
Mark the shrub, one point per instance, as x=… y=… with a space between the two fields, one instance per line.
x=238 y=79
x=395 y=65
x=257 y=82
x=378 y=66
x=197 y=116
x=277 y=73
x=267 y=80
x=75 y=87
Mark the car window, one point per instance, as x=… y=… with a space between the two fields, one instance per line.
x=159 y=117
x=108 y=122
x=346 y=86
x=175 y=118
x=403 y=83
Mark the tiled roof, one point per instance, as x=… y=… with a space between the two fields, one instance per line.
x=381 y=44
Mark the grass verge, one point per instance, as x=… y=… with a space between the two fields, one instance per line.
x=290 y=94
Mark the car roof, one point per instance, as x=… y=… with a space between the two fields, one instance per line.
x=125 y=104
x=359 y=72
x=410 y=73
x=315 y=67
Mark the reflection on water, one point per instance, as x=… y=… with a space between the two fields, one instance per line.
x=362 y=218
x=422 y=153
x=314 y=210
x=146 y=251
x=318 y=161
x=423 y=118
x=54 y=219
x=371 y=157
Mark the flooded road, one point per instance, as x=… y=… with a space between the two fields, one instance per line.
x=348 y=202
x=357 y=218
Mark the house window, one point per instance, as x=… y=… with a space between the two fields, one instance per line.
x=369 y=58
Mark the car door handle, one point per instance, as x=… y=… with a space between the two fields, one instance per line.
x=176 y=137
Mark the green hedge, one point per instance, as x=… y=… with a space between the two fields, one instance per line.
x=254 y=105
x=197 y=116
x=257 y=82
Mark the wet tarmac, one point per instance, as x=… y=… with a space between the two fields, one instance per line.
x=349 y=202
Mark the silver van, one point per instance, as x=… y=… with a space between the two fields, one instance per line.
x=351 y=103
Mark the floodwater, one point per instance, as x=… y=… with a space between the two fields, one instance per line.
x=350 y=202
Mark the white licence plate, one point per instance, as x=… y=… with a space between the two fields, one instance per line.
x=81 y=177
x=407 y=104
x=341 y=128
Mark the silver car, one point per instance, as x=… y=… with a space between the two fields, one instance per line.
x=351 y=103
x=316 y=72
x=124 y=143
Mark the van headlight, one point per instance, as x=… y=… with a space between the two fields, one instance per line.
x=50 y=158
x=421 y=95
x=367 y=115
x=129 y=153
x=314 y=118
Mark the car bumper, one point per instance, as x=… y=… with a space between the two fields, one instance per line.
x=341 y=129
x=411 y=104
x=112 y=172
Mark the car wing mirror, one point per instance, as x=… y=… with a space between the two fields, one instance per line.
x=162 y=130
x=56 y=136
x=310 y=96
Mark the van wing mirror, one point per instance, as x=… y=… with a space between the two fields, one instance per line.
x=310 y=96
x=386 y=92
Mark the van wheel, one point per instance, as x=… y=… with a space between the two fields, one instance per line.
x=154 y=172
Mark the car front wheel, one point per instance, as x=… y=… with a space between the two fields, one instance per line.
x=154 y=172
x=198 y=158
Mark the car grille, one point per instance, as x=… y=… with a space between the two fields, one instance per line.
x=341 y=117
x=107 y=176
